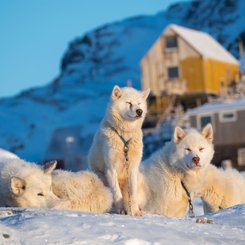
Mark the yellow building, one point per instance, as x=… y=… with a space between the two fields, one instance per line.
x=183 y=61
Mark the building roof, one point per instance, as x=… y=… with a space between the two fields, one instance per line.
x=204 y=44
x=230 y=105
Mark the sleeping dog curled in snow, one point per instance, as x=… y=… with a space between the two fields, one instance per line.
x=168 y=173
x=27 y=185
x=24 y=184
x=83 y=191
x=117 y=147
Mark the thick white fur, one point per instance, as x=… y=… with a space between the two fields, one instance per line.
x=160 y=189
x=84 y=191
x=25 y=185
x=218 y=188
x=106 y=156
x=6 y=154
x=221 y=189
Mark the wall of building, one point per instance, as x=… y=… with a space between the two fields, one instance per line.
x=217 y=72
x=193 y=74
x=153 y=75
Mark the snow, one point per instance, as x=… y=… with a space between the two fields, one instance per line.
x=47 y=226
x=204 y=44
x=230 y=105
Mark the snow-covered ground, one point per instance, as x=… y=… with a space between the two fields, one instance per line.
x=46 y=226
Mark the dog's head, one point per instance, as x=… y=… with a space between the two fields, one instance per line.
x=128 y=103
x=33 y=187
x=193 y=150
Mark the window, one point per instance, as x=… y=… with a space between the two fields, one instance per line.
x=204 y=119
x=228 y=116
x=173 y=72
x=171 y=42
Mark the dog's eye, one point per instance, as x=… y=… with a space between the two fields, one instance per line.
x=188 y=149
x=40 y=194
x=130 y=104
x=201 y=149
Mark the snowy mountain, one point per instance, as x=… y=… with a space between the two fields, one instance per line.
x=31 y=123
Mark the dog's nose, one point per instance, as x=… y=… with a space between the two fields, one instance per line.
x=196 y=160
x=139 y=112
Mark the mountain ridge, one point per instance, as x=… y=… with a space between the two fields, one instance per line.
x=96 y=61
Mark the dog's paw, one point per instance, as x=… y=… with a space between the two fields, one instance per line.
x=120 y=208
x=121 y=211
x=137 y=213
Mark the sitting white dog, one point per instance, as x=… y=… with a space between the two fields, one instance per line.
x=117 y=147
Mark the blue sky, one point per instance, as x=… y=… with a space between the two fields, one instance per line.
x=35 y=34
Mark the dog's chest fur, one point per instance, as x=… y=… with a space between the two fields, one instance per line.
x=117 y=149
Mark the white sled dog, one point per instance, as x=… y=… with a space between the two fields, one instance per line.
x=162 y=189
x=117 y=147
x=221 y=189
x=218 y=188
x=24 y=184
x=83 y=191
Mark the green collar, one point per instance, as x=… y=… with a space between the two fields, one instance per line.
x=125 y=142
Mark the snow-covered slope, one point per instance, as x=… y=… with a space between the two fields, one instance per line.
x=95 y=62
x=42 y=226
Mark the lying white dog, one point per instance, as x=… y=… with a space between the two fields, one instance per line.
x=83 y=191
x=25 y=184
x=163 y=179
x=218 y=188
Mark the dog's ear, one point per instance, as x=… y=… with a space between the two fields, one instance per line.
x=146 y=93
x=207 y=132
x=179 y=134
x=116 y=93
x=17 y=186
x=49 y=166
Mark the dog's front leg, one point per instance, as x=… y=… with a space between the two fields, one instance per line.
x=112 y=179
x=133 y=184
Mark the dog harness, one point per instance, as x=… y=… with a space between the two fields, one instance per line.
x=125 y=142
x=191 y=211
x=125 y=150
